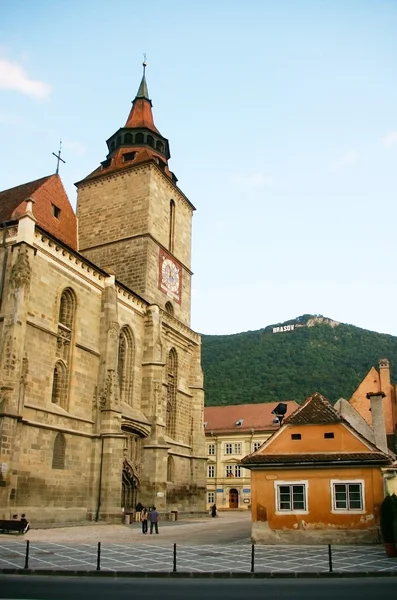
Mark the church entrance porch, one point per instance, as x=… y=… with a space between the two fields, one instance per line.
x=233 y=498
x=129 y=491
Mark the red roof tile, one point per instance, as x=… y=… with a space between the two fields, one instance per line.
x=46 y=192
x=337 y=458
x=141 y=115
x=256 y=416
x=315 y=410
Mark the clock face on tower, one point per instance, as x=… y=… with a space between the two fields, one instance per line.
x=170 y=276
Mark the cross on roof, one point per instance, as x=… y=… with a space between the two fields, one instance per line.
x=58 y=156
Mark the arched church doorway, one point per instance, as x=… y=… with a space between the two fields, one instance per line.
x=233 y=498
x=129 y=489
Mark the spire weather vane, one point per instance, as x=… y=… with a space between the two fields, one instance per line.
x=58 y=157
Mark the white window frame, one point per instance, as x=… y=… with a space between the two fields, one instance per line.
x=256 y=446
x=229 y=471
x=211 y=471
x=237 y=471
x=347 y=511
x=211 y=497
x=228 y=448
x=237 y=448
x=211 y=449
x=279 y=511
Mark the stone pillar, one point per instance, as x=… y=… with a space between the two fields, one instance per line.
x=155 y=450
x=378 y=421
x=199 y=458
x=13 y=361
x=110 y=461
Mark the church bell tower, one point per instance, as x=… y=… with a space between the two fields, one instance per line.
x=134 y=219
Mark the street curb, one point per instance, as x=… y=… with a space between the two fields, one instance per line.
x=201 y=575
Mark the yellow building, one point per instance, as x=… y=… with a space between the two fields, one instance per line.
x=231 y=433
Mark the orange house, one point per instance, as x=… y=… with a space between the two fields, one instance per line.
x=316 y=480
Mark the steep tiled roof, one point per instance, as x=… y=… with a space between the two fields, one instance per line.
x=367 y=458
x=316 y=410
x=46 y=192
x=256 y=416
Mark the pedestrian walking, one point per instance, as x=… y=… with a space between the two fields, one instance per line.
x=154 y=520
x=213 y=510
x=144 y=516
x=25 y=523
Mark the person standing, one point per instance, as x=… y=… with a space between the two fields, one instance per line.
x=24 y=523
x=138 y=510
x=144 y=516
x=213 y=510
x=154 y=520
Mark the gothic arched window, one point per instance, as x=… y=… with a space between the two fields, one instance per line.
x=59 y=451
x=150 y=140
x=125 y=365
x=139 y=138
x=172 y=382
x=171 y=226
x=66 y=308
x=59 y=385
x=128 y=138
x=170 y=469
x=160 y=146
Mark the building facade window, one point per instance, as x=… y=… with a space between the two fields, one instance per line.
x=233 y=448
x=59 y=451
x=233 y=471
x=125 y=365
x=170 y=469
x=59 y=385
x=347 y=496
x=291 y=496
x=171 y=232
x=256 y=446
x=211 y=470
x=211 y=449
x=172 y=376
x=211 y=497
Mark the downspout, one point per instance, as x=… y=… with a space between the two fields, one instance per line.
x=100 y=483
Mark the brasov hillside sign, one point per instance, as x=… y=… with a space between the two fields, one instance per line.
x=283 y=328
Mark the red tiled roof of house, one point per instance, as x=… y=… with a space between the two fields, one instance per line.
x=337 y=458
x=315 y=410
x=256 y=416
x=47 y=193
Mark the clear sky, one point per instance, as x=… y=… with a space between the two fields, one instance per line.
x=282 y=122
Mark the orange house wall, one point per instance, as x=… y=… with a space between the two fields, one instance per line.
x=313 y=440
x=319 y=515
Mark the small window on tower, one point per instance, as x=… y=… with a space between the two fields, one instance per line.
x=56 y=211
x=329 y=435
x=129 y=156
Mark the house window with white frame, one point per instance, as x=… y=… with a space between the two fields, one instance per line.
x=256 y=446
x=233 y=470
x=211 y=449
x=211 y=497
x=233 y=448
x=211 y=470
x=347 y=496
x=291 y=497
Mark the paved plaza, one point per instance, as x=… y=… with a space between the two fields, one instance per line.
x=218 y=545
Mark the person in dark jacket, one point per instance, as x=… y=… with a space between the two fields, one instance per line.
x=154 y=520
x=213 y=510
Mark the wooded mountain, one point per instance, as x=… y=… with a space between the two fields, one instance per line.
x=308 y=354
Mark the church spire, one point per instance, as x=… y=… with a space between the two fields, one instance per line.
x=141 y=112
x=143 y=91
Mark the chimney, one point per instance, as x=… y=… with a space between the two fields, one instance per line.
x=378 y=421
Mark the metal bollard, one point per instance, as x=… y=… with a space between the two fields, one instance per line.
x=174 y=566
x=27 y=555
x=253 y=558
x=98 y=558
x=330 y=558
